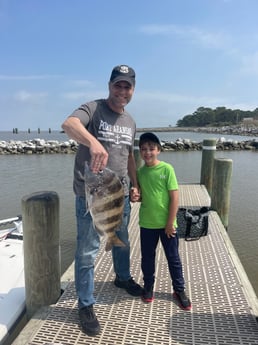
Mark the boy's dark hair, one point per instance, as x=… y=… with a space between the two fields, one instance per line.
x=149 y=138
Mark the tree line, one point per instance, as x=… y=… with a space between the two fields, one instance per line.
x=220 y=116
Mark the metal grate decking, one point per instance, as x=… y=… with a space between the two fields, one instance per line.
x=193 y=195
x=221 y=312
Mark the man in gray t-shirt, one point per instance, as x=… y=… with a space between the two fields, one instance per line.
x=115 y=132
x=105 y=132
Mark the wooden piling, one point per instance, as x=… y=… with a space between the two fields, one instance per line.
x=40 y=214
x=220 y=200
x=208 y=154
x=137 y=157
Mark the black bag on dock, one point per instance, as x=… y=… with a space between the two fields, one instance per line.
x=193 y=223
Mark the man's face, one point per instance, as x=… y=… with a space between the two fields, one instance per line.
x=120 y=93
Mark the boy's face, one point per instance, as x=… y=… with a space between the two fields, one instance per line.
x=149 y=153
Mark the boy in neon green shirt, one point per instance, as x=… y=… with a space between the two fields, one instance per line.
x=157 y=218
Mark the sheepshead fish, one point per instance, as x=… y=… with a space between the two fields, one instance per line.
x=105 y=202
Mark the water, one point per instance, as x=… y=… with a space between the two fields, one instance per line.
x=21 y=175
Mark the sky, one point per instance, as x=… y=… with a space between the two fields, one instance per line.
x=58 y=54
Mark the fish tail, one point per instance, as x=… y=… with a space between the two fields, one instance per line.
x=113 y=241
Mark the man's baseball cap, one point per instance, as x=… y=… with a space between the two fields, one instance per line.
x=123 y=73
x=149 y=137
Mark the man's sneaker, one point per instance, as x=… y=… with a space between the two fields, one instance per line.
x=147 y=295
x=183 y=300
x=89 y=321
x=130 y=286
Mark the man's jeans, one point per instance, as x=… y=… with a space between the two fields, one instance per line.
x=88 y=242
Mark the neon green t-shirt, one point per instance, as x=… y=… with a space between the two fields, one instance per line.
x=155 y=183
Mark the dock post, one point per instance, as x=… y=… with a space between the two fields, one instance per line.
x=40 y=216
x=137 y=157
x=220 y=199
x=208 y=154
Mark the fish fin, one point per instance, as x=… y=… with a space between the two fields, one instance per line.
x=100 y=232
x=87 y=209
x=114 y=241
x=81 y=175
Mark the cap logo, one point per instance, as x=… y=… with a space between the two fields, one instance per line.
x=124 y=69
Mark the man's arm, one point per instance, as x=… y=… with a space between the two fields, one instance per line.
x=76 y=131
x=134 y=191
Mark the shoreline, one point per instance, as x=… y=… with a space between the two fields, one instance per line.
x=225 y=130
x=42 y=146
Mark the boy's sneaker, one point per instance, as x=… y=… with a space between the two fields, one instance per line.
x=183 y=300
x=147 y=295
x=89 y=321
x=130 y=286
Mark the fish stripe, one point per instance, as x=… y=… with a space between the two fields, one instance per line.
x=115 y=187
x=108 y=205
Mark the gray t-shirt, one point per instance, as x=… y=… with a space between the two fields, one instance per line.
x=116 y=132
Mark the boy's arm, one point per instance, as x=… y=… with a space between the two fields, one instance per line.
x=173 y=208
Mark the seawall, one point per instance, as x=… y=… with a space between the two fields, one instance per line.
x=42 y=146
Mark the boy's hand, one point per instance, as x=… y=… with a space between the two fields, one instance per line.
x=134 y=194
x=170 y=231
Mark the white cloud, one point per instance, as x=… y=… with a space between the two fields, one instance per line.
x=74 y=95
x=217 y=40
x=27 y=77
x=242 y=106
x=81 y=83
x=178 y=98
x=26 y=96
x=84 y=95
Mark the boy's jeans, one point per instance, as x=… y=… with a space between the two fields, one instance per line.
x=88 y=242
x=149 y=241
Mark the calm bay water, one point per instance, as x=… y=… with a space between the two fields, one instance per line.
x=21 y=175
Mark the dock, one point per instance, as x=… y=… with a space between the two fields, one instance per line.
x=224 y=305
